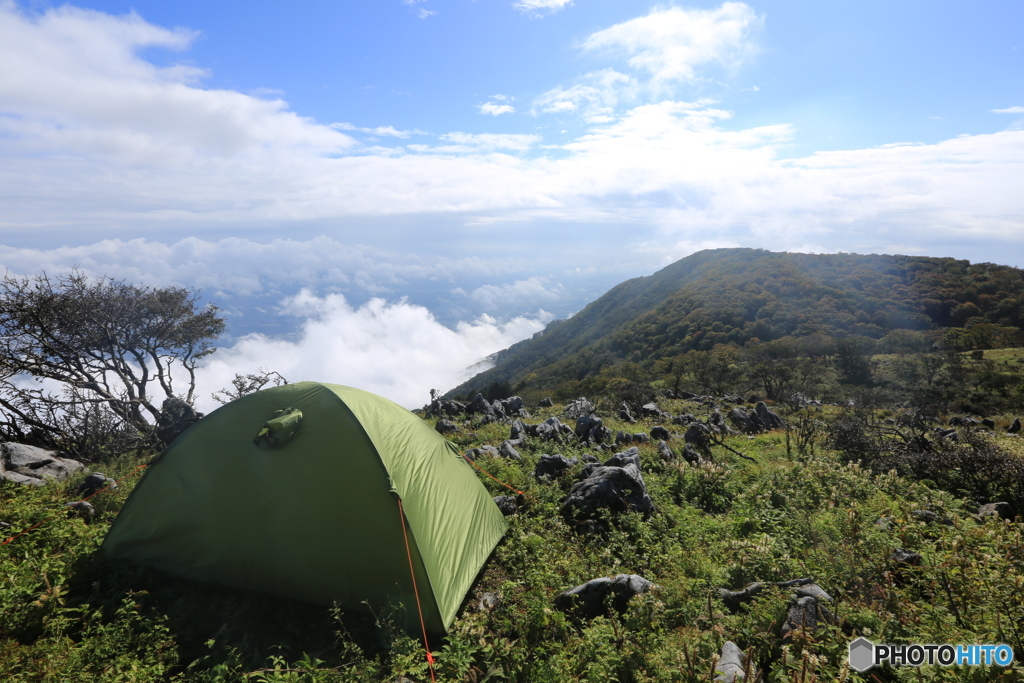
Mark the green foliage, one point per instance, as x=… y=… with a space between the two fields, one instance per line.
x=66 y=617
x=971 y=466
x=825 y=313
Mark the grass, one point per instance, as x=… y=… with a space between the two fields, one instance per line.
x=66 y=617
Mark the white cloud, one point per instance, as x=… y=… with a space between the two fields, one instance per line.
x=496 y=109
x=75 y=84
x=382 y=131
x=538 y=7
x=397 y=350
x=98 y=139
x=241 y=267
x=669 y=43
x=596 y=95
x=533 y=291
x=1009 y=110
x=480 y=143
x=663 y=49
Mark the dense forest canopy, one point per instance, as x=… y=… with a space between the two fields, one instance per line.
x=835 y=305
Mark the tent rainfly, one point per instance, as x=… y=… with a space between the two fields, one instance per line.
x=295 y=491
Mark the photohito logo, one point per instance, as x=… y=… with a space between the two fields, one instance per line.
x=864 y=654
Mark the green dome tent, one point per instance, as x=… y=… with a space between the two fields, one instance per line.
x=295 y=491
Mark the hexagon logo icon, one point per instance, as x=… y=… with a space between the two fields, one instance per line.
x=862 y=654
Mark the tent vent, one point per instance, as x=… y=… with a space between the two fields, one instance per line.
x=279 y=430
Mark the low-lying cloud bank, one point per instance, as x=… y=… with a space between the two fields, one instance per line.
x=398 y=350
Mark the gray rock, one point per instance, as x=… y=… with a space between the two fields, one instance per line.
x=591 y=599
x=1015 y=427
x=905 y=558
x=474 y=453
x=625 y=415
x=718 y=424
x=550 y=429
x=929 y=517
x=518 y=430
x=446 y=427
x=95 y=482
x=804 y=587
x=731 y=665
x=769 y=419
x=550 y=466
x=578 y=407
x=684 y=419
x=34 y=466
x=630 y=456
x=546 y=403
x=16 y=478
x=660 y=433
x=443 y=407
x=479 y=406
x=813 y=590
x=513 y=406
x=991 y=424
x=586 y=425
x=507 y=504
x=507 y=450
x=733 y=599
x=641 y=437
x=692 y=456
x=699 y=436
x=488 y=602
x=622 y=437
x=81 y=509
x=665 y=452
x=748 y=423
x=653 y=411
x=608 y=487
x=805 y=613
x=1002 y=510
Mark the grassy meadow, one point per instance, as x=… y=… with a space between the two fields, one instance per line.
x=801 y=510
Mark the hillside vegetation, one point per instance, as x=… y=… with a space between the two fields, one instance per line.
x=744 y=306
x=832 y=498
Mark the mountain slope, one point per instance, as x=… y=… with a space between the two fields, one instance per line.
x=742 y=296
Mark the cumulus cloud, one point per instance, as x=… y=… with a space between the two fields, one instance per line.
x=538 y=7
x=596 y=95
x=395 y=349
x=668 y=44
x=496 y=109
x=75 y=83
x=663 y=49
x=668 y=167
x=1009 y=110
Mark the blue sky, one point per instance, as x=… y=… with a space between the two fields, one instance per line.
x=399 y=174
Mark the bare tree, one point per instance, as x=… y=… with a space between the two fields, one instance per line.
x=243 y=385
x=104 y=342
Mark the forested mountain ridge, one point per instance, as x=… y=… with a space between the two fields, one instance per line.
x=742 y=297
